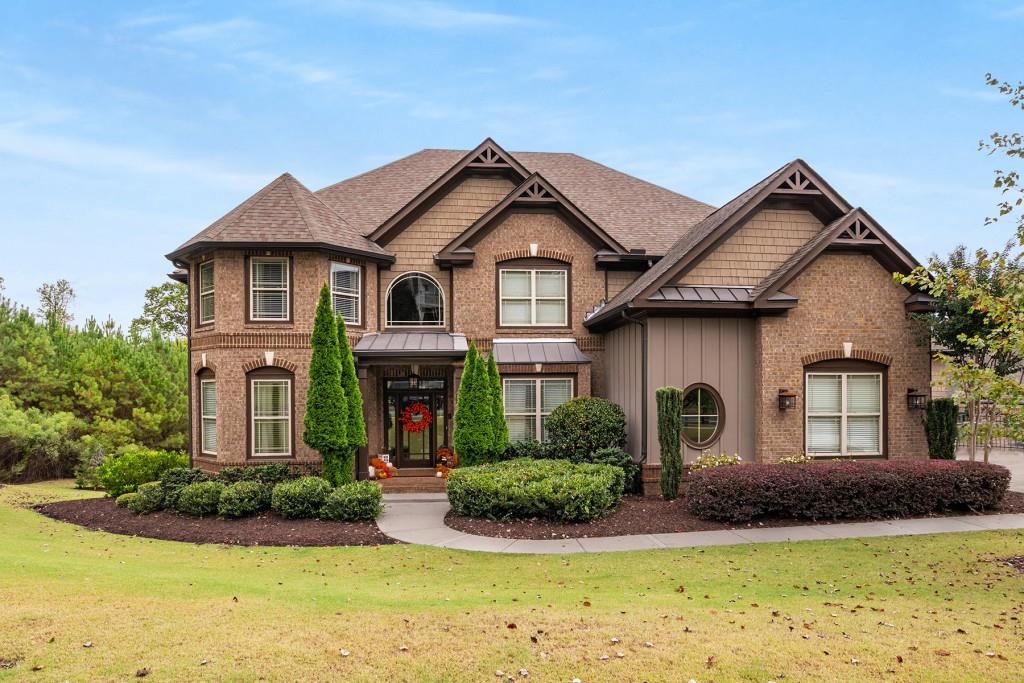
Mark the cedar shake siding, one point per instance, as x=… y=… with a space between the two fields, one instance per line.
x=660 y=289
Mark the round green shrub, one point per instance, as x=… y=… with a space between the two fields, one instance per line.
x=300 y=498
x=243 y=499
x=531 y=448
x=149 y=498
x=136 y=465
x=355 y=502
x=174 y=480
x=201 y=498
x=554 y=489
x=125 y=499
x=583 y=425
x=619 y=458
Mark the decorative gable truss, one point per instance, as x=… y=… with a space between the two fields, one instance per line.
x=534 y=193
x=856 y=231
x=486 y=158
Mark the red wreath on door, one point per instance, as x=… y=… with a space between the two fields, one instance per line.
x=416 y=417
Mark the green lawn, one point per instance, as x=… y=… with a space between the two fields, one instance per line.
x=843 y=610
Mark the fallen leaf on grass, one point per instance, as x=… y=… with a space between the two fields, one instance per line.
x=942 y=653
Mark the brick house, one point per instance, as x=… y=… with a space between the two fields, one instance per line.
x=777 y=313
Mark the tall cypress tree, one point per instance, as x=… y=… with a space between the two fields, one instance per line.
x=356 y=432
x=473 y=435
x=500 y=427
x=326 y=420
x=670 y=408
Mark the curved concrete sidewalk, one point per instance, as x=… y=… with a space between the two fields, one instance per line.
x=419 y=518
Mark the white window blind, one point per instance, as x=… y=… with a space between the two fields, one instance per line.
x=844 y=413
x=533 y=297
x=271 y=416
x=529 y=402
x=269 y=288
x=208 y=412
x=346 y=291
x=206 y=293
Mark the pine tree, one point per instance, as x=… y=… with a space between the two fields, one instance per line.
x=473 y=435
x=326 y=421
x=500 y=427
x=356 y=432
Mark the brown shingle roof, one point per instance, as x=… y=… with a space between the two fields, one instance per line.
x=636 y=213
x=285 y=212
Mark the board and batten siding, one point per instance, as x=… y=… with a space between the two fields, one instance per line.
x=624 y=379
x=716 y=351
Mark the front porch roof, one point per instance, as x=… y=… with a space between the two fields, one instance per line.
x=411 y=344
x=507 y=351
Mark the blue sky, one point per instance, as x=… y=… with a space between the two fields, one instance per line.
x=125 y=128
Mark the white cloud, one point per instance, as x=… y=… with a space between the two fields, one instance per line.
x=18 y=141
x=227 y=31
x=307 y=73
x=429 y=14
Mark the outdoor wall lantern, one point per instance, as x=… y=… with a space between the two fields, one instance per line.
x=916 y=400
x=787 y=399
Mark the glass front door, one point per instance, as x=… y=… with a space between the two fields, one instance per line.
x=408 y=405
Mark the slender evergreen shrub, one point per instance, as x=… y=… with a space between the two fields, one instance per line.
x=300 y=498
x=499 y=428
x=356 y=502
x=670 y=404
x=473 y=436
x=941 y=429
x=326 y=420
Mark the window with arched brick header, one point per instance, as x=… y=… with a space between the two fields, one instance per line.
x=415 y=299
x=845 y=408
x=270 y=399
x=207 y=411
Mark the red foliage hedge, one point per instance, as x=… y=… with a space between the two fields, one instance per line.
x=845 y=490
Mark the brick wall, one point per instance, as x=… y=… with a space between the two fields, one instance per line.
x=843 y=298
x=755 y=250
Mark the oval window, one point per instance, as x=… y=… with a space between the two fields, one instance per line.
x=703 y=416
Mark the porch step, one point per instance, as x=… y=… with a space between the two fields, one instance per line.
x=416 y=472
x=413 y=484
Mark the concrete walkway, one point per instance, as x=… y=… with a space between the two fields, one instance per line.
x=419 y=518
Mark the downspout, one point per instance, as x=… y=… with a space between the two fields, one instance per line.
x=643 y=382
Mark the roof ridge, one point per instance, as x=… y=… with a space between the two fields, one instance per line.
x=301 y=206
x=383 y=166
x=239 y=212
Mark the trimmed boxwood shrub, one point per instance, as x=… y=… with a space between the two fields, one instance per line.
x=299 y=498
x=136 y=465
x=243 y=498
x=174 y=480
x=622 y=459
x=271 y=474
x=355 y=502
x=125 y=499
x=201 y=498
x=149 y=498
x=537 y=450
x=585 y=424
x=555 y=489
x=845 y=490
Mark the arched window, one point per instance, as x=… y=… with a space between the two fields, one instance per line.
x=415 y=299
x=703 y=415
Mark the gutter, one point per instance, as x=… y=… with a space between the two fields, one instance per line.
x=643 y=382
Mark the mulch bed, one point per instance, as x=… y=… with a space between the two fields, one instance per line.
x=102 y=514
x=637 y=515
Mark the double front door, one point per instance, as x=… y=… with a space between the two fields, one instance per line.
x=408 y=405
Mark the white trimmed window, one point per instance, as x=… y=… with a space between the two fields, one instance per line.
x=844 y=413
x=271 y=401
x=208 y=413
x=533 y=298
x=206 y=293
x=268 y=288
x=415 y=299
x=529 y=402
x=346 y=283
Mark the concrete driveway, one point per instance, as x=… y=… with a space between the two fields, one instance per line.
x=1010 y=458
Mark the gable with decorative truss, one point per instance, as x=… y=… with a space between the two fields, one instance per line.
x=487 y=158
x=857 y=232
x=532 y=194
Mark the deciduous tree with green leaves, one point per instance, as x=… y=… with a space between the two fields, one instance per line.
x=473 y=436
x=326 y=420
x=165 y=309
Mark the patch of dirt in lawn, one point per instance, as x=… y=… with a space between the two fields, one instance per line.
x=102 y=514
x=1017 y=562
x=638 y=515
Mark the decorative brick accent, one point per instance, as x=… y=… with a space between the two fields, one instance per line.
x=856 y=354
x=261 y=362
x=198 y=367
x=542 y=252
